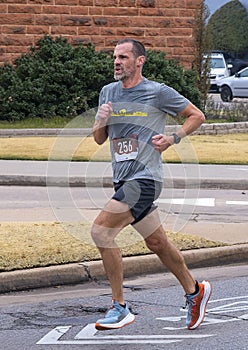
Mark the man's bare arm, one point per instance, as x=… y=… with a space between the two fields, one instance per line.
x=100 y=129
x=194 y=119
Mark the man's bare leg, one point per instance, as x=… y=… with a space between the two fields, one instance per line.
x=115 y=216
x=157 y=241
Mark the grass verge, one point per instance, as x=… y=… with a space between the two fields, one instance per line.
x=205 y=149
x=29 y=245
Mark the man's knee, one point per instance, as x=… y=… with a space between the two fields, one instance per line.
x=157 y=242
x=102 y=236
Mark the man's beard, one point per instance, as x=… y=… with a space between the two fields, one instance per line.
x=121 y=76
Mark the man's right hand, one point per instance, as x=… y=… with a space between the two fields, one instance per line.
x=104 y=112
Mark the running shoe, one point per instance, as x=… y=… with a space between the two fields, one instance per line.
x=116 y=317
x=196 y=305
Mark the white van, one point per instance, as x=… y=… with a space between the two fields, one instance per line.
x=218 y=69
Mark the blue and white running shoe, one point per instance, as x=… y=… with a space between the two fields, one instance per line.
x=116 y=317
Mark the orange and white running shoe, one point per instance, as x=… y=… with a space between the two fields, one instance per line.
x=197 y=304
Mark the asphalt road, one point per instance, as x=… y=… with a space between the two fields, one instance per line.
x=180 y=210
x=63 y=318
x=230 y=206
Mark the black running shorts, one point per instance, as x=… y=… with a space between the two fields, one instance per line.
x=139 y=194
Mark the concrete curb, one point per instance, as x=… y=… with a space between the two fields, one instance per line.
x=137 y=265
x=107 y=181
x=204 y=129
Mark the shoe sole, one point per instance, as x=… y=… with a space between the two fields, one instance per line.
x=205 y=299
x=130 y=318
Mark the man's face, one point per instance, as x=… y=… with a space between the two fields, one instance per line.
x=124 y=62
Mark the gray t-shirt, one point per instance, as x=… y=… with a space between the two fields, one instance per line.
x=138 y=114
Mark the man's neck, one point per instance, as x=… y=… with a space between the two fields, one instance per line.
x=131 y=82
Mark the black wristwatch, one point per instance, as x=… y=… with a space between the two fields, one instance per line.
x=177 y=138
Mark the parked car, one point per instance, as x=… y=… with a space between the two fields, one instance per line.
x=218 y=69
x=237 y=64
x=234 y=86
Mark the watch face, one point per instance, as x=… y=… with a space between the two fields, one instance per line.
x=177 y=138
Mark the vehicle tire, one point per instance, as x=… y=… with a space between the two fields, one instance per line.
x=226 y=94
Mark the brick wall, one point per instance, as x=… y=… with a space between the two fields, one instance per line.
x=166 y=25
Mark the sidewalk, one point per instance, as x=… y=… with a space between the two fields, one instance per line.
x=99 y=174
x=33 y=173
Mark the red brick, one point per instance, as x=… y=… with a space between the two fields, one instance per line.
x=97 y=40
x=38 y=29
x=56 y=9
x=16 y=49
x=152 y=12
x=80 y=40
x=95 y=11
x=154 y=42
x=66 y=2
x=152 y=32
x=86 y=30
x=193 y=3
x=24 y=9
x=80 y=10
x=14 y=1
x=40 y=1
x=176 y=31
x=141 y=22
x=187 y=13
x=131 y=32
x=47 y=20
x=76 y=20
x=120 y=11
x=127 y=3
x=100 y=21
x=146 y=3
x=110 y=42
x=15 y=40
x=170 y=3
x=14 y=29
x=175 y=42
x=64 y=30
x=182 y=22
x=106 y=3
x=86 y=3
x=107 y=31
x=16 y=19
x=3 y=8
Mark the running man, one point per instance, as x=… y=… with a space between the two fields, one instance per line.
x=131 y=115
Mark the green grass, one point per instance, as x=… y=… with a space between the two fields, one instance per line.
x=59 y=122
x=50 y=123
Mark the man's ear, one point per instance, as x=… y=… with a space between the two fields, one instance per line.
x=140 y=61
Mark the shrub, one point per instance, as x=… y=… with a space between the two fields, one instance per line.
x=54 y=79
x=58 y=79
x=168 y=71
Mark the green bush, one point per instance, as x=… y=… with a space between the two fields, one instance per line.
x=168 y=71
x=54 y=79
x=58 y=79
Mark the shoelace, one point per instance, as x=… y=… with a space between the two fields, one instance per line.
x=189 y=303
x=112 y=311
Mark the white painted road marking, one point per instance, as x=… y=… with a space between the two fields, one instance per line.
x=200 y=202
x=237 y=202
x=90 y=336
x=236 y=306
x=203 y=202
x=87 y=337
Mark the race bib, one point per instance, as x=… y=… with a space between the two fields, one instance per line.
x=126 y=148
